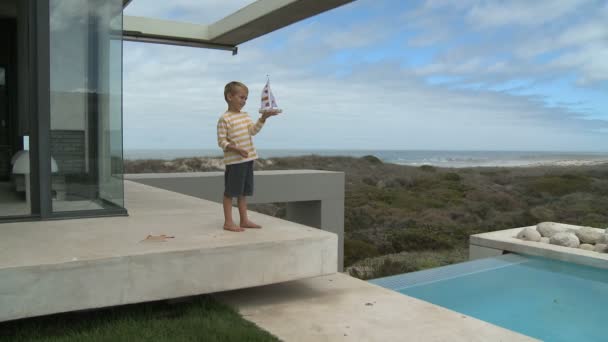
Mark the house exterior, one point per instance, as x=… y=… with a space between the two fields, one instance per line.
x=61 y=94
x=61 y=156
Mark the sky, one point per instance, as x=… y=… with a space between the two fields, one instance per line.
x=385 y=74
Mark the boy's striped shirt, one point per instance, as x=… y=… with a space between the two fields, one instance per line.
x=237 y=128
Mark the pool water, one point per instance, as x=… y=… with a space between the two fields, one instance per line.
x=542 y=298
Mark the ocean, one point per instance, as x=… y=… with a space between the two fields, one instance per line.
x=457 y=159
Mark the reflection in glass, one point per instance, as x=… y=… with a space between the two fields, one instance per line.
x=86 y=104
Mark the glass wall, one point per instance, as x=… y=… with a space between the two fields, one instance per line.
x=86 y=104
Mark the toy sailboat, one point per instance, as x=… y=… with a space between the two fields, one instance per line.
x=269 y=104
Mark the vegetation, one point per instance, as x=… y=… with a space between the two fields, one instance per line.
x=199 y=319
x=404 y=218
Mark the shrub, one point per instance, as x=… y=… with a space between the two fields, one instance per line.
x=452 y=177
x=428 y=168
x=501 y=201
x=355 y=250
x=418 y=241
x=390 y=267
x=369 y=181
x=541 y=214
x=560 y=185
x=372 y=159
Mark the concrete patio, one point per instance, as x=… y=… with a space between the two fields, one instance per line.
x=56 y=266
x=342 y=308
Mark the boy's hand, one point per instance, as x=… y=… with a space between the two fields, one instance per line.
x=240 y=151
x=267 y=114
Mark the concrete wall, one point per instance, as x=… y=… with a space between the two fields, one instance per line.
x=479 y=252
x=314 y=198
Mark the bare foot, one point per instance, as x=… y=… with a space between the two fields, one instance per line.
x=233 y=228
x=249 y=224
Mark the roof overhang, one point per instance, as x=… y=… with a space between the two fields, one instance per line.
x=252 y=21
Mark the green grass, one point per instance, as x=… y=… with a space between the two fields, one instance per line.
x=198 y=319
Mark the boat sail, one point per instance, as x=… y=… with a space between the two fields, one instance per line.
x=269 y=103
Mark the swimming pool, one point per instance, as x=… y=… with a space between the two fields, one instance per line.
x=542 y=298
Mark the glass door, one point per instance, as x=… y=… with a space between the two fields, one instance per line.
x=15 y=187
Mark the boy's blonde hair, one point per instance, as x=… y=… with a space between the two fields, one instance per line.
x=231 y=87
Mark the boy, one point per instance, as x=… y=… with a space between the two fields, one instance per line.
x=234 y=132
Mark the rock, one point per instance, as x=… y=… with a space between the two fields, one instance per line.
x=565 y=239
x=217 y=164
x=544 y=240
x=601 y=248
x=184 y=168
x=586 y=246
x=588 y=235
x=603 y=239
x=529 y=234
x=548 y=229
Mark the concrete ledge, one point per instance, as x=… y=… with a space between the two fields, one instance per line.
x=264 y=16
x=314 y=198
x=56 y=266
x=504 y=240
x=341 y=308
x=251 y=21
x=270 y=186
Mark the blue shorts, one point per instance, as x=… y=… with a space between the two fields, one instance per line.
x=238 y=179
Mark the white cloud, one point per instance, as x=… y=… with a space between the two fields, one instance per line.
x=486 y=14
x=377 y=107
x=497 y=41
x=592 y=61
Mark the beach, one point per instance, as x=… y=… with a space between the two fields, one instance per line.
x=455 y=159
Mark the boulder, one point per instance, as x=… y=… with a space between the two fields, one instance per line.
x=529 y=234
x=601 y=248
x=588 y=235
x=586 y=246
x=184 y=168
x=603 y=239
x=544 y=240
x=565 y=239
x=548 y=229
